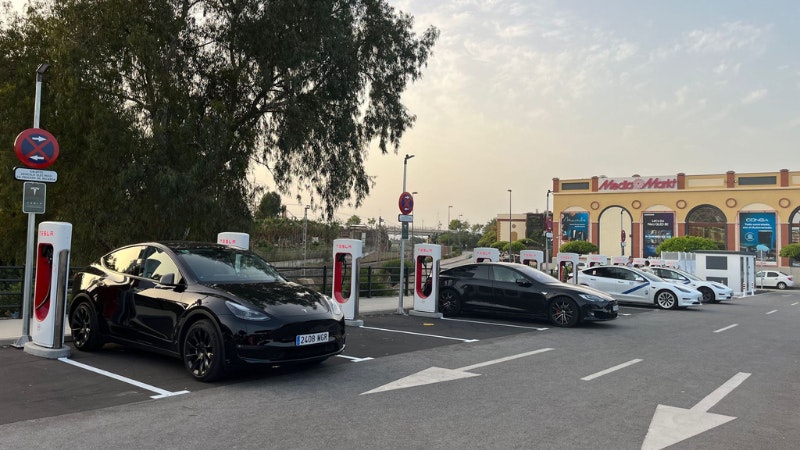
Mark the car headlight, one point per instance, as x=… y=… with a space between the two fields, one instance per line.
x=244 y=312
x=334 y=306
x=592 y=298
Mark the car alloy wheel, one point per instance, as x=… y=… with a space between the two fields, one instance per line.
x=666 y=300
x=708 y=295
x=202 y=351
x=564 y=312
x=781 y=285
x=449 y=302
x=84 y=329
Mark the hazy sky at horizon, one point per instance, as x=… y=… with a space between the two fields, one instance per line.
x=519 y=92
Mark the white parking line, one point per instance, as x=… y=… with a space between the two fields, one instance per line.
x=794 y=304
x=726 y=328
x=772 y=312
x=498 y=324
x=420 y=334
x=354 y=359
x=612 y=369
x=161 y=392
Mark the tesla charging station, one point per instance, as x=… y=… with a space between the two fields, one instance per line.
x=568 y=263
x=482 y=254
x=619 y=260
x=346 y=256
x=528 y=256
x=50 y=290
x=240 y=240
x=427 y=259
x=596 y=260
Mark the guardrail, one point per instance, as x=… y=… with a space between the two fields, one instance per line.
x=374 y=282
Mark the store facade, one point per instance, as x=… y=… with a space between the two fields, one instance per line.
x=754 y=212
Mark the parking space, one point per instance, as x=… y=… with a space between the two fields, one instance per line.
x=36 y=387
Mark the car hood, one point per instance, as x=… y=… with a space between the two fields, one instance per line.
x=589 y=290
x=279 y=298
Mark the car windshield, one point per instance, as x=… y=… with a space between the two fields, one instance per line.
x=536 y=274
x=228 y=265
x=649 y=275
x=688 y=275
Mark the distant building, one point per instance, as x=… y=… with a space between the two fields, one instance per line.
x=753 y=212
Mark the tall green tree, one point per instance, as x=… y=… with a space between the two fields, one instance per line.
x=163 y=106
x=270 y=206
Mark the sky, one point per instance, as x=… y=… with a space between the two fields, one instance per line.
x=517 y=93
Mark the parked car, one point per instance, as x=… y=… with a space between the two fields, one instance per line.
x=712 y=291
x=628 y=284
x=211 y=305
x=519 y=290
x=773 y=278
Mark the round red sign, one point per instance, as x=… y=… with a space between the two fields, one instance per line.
x=406 y=203
x=36 y=148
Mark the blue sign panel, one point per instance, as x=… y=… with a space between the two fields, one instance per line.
x=574 y=226
x=757 y=233
x=657 y=228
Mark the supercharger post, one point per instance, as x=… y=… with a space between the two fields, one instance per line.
x=427 y=261
x=344 y=270
x=239 y=240
x=50 y=291
x=488 y=254
x=527 y=256
x=568 y=262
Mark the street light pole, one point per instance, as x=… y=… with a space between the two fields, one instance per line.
x=305 y=238
x=403 y=246
x=510 y=253
x=548 y=230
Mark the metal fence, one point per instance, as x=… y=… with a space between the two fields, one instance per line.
x=374 y=281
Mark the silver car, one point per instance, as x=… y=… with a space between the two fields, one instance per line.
x=774 y=278
x=631 y=285
x=712 y=291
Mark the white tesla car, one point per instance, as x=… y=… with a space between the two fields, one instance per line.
x=712 y=291
x=631 y=285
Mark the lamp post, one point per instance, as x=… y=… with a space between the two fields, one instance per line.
x=403 y=246
x=447 y=227
x=622 y=234
x=305 y=238
x=510 y=253
x=548 y=230
x=412 y=224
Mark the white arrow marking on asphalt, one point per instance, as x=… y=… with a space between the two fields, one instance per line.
x=438 y=374
x=671 y=425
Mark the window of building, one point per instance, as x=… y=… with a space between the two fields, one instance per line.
x=708 y=222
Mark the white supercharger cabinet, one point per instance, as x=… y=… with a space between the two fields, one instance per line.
x=51 y=284
x=427 y=259
x=347 y=254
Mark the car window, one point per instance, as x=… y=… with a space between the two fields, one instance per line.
x=604 y=272
x=504 y=274
x=623 y=274
x=126 y=260
x=158 y=264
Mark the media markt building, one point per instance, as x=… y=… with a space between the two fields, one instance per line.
x=753 y=212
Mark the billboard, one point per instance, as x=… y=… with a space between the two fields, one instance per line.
x=574 y=226
x=657 y=227
x=757 y=233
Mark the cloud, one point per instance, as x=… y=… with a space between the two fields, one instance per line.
x=754 y=96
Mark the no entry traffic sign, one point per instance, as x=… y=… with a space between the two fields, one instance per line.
x=36 y=148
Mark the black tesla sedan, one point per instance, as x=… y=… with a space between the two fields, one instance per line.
x=517 y=289
x=211 y=305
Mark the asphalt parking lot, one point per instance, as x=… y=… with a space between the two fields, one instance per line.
x=35 y=387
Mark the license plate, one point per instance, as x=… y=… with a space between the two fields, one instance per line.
x=615 y=308
x=308 y=339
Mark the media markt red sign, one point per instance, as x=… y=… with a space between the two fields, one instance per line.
x=36 y=148
x=639 y=184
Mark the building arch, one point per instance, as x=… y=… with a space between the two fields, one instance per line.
x=709 y=222
x=794 y=226
x=610 y=223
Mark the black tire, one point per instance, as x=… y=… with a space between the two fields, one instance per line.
x=781 y=285
x=84 y=327
x=564 y=312
x=449 y=302
x=203 y=353
x=708 y=295
x=666 y=300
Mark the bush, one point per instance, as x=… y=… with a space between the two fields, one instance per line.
x=688 y=244
x=579 y=247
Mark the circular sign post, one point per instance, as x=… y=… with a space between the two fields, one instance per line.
x=406 y=203
x=36 y=148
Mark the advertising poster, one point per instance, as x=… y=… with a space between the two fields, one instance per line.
x=574 y=226
x=657 y=228
x=757 y=234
